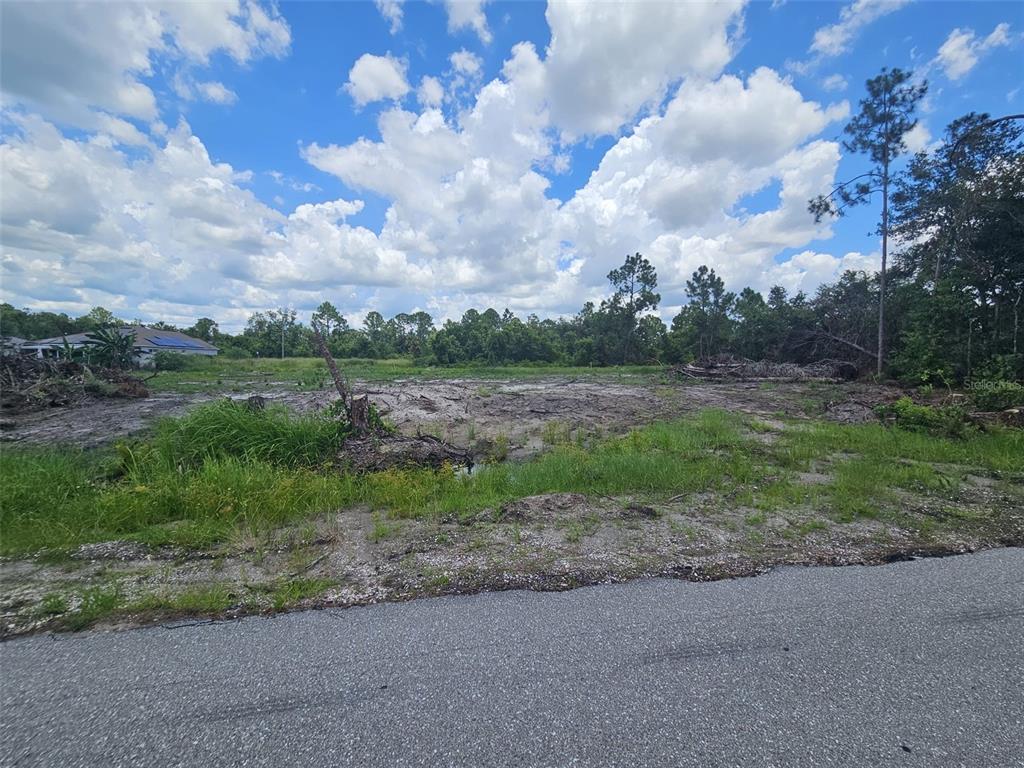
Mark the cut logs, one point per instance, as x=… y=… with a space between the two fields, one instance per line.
x=382 y=452
x=731 y=368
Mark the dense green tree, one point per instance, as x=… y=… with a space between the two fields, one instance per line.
x=634 y=283
x=204 y=328
x=97 y=318
x=703 y=326
x=328 y=319
x=960 y=211
x=26 y=324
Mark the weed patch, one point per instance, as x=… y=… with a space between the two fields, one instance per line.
x=96 y=603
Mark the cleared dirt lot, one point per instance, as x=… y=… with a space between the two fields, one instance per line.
x=360 y=554
x=471 y=411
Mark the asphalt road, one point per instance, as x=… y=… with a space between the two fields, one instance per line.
x=910 y=664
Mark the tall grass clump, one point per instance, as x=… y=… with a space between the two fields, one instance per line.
x=228 y=429
x=61 y=499
x=45 y=494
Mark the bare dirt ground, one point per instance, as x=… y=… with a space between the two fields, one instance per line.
x=555 y=541
x=475 y=413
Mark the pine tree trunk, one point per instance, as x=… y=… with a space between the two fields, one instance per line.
x=1016 y=318
x=885 y=255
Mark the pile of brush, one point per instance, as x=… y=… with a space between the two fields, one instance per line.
x=32 y=383
x=730 y=367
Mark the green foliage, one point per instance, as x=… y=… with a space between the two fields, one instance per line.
x=997 y=395
x=207 y=599
x=171 y=361
x=287 y=592
x=111 y=348
x=61 y=499
x=703 y=326
x=946 y=420
x=634 y=283
x=52 y=604
x=230 y=429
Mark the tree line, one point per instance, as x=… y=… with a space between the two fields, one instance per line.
x=945 y=306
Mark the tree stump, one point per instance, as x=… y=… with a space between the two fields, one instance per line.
x=359 y=415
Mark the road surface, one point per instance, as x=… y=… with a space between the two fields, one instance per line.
x=911 y=664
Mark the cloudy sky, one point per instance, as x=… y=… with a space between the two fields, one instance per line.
x=172 y=160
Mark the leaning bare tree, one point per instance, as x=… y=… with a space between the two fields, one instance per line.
x=878 y=131
x=357 y=409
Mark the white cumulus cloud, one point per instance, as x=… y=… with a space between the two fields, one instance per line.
x=709 y=168
x=608 y=61
x=431 y=92
x=374 y=78
x=468 y=13
x=69 y=61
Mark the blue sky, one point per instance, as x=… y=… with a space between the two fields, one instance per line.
x=217 y=159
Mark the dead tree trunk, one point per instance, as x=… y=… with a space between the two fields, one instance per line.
x=357 y=408
x=339 y=382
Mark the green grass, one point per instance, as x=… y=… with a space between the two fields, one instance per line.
x=228 y=429
x=287 y=592
x=52 y=604
x=96 y=603
x=202 y=487
x=106 y=602
x=60 y=499
x=999 y=449
x=222 y=374
x=207 y=599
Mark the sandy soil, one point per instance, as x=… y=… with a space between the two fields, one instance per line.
x=549 y=542
x=555 y=541
x=473 y=413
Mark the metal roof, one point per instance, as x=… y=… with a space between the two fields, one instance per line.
x=145 y=338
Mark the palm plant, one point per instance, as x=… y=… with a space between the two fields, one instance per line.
x=113 y=348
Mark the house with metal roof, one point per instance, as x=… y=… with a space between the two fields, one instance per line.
x=148 y=341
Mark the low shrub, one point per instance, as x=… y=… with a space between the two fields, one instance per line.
x=945 y=420
x=170 y=361
x=996 y=395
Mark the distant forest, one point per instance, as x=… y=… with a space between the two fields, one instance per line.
x=953 y=290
